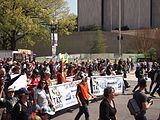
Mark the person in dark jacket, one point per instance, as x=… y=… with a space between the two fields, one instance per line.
x=8 y=103
x=107 y=109
x=139 y=73
x=157 y=80
x=23 y=108
x=142 y=100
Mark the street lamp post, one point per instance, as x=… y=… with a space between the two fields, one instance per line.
x=54 y=38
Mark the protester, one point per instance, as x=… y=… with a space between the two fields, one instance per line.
x=121 y=71
x=8 y=103
x=140 y=73
x=158 y=117
x=142 y=100
x=34 y=117
x=157 y=80
x=41 y=98
x=109 y=70
x=82 y=96
x=35 y=78
x=151 y=74
x=23 y=108
x=47 y=76
x=59 y=76
x=107 y=109
x=44 y=113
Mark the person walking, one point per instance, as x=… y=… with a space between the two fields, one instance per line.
x=82 y=96
x=139 y=73
x=157 y=80
x=107 y=109
x=142 y=100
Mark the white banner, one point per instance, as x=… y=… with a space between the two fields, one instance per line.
x=21 y=82
x=64 y=95
x=101 y=82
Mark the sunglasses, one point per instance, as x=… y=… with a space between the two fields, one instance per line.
x=43 y=82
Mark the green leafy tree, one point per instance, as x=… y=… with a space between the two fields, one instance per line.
x=152 y=53
x=28 y=21
x=99 y=45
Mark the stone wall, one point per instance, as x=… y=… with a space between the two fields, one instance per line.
x=82 y=42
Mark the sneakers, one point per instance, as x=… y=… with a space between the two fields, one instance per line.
x=152 y=95
x=146 y=92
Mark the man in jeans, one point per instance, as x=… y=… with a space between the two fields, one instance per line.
x=82 y=96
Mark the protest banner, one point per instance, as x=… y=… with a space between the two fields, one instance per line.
x=101 y=82
x=64 y=95
x=21 y=82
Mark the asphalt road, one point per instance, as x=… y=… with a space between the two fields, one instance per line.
x=121 y=105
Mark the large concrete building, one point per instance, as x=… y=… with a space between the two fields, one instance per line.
x=135 y=14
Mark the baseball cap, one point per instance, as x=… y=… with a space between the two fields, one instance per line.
x=22 y=91
x=10 y=90
x=83 y=75
x=46 y=110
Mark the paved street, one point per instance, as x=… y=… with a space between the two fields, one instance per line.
x=121 y=105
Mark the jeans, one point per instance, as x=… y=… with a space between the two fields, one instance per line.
x=140 y=117
x=83 y=109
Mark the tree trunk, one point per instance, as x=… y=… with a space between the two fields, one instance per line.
x=13 y=41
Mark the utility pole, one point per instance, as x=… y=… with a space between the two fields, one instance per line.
x=120 y=36
x=111 y=13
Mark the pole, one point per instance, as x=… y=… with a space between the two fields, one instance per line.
x=53 y=40
x=120 y=36
x=111 y=13
x=139 y=13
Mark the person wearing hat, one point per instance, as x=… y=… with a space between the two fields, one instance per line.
x=23 y=108
x=8 y=103
x=82 y=96
x=44 y=113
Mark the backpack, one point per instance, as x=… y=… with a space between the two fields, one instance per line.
x=133 y=107
x=137 y=73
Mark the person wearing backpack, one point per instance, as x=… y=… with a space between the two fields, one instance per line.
x=139 y=73
x=142 y=100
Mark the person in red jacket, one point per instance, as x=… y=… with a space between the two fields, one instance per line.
x=82 y=96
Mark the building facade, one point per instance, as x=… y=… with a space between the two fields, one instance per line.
x=135 y=14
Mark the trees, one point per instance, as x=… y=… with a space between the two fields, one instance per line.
x=144 y=40
x=28 y=21
x=99 y=45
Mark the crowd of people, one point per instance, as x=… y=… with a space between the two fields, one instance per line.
x=35 y=101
